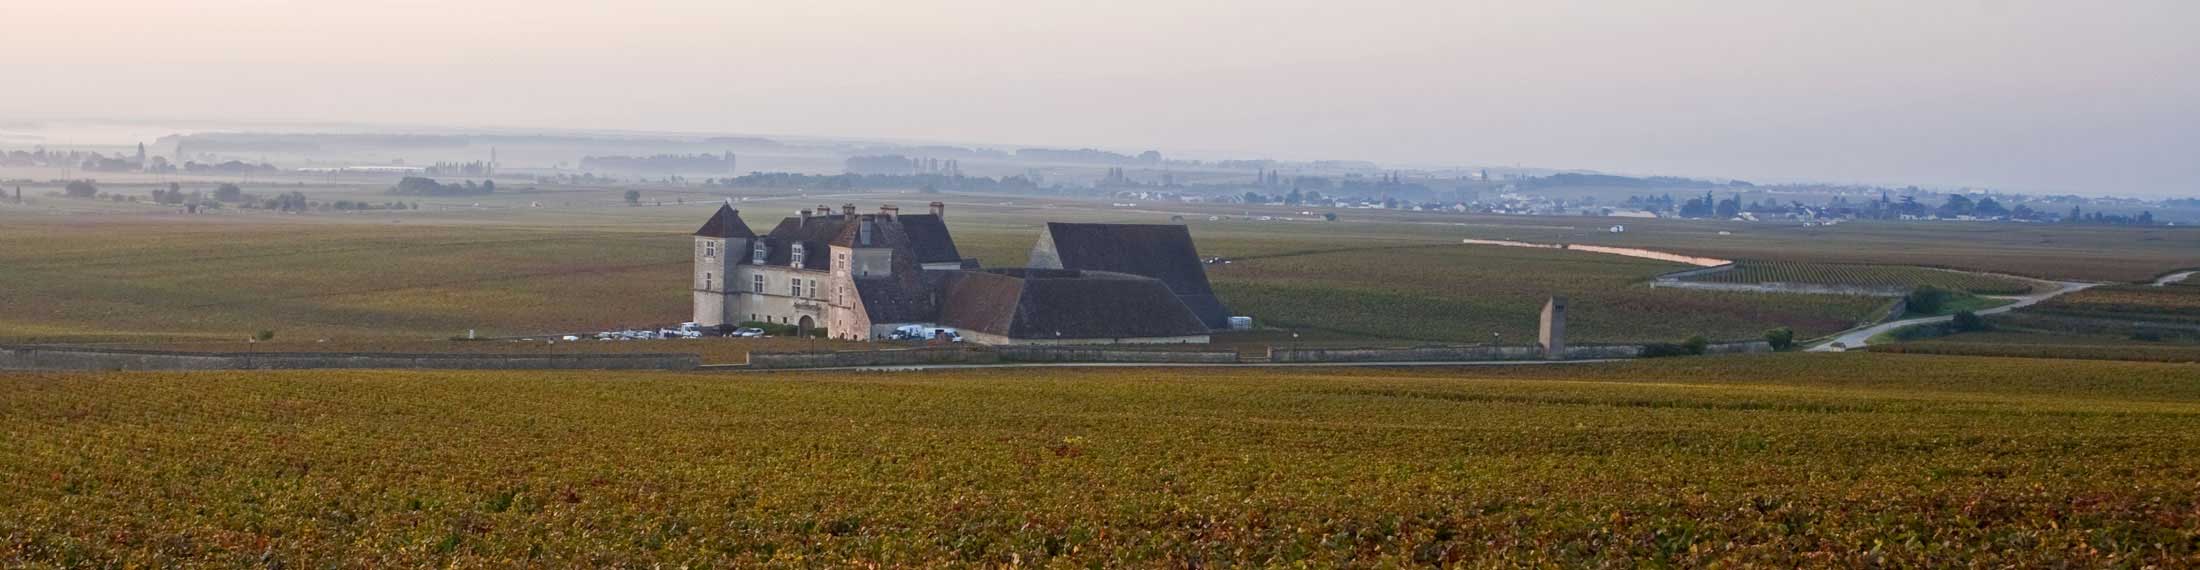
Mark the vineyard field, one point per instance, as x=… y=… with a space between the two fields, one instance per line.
x=1887 y=277
x=1453 y=293
x=1788 y=460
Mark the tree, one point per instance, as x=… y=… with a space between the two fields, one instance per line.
x=1926 y=300
x=633 y=197
x=80 y=189
x=1967 y=321
x=1989 y=208
x=1782 y=338
x=1695 y=208
x=1958 y=205
x=1697 y=344
x=228 y=193
x=1329 y=216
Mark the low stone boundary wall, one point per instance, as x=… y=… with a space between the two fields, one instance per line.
x=1096 y=354
x=1415 y=354
x=852 y=358
x=1488 y=353
x=85 y=358
x=1750 y=347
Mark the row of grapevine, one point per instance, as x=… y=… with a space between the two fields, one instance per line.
x=1867 y=276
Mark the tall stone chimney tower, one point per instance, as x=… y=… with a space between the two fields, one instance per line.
x=1553 y=335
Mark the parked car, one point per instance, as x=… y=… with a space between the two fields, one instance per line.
x=920 y=332
x=747 y=332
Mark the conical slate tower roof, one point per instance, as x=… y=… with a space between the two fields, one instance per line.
x=725 y=224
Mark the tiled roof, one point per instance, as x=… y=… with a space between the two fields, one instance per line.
x=726 y=223
x=1163 y=252
x=929 y=238
x=1066 y=305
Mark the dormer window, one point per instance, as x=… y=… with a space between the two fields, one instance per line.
x=760 y=254
x=794 y=258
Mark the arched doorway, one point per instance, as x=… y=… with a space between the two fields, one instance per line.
x=805 y=325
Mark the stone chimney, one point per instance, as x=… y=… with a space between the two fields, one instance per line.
x=888 y=212
x=939 y=209
x=848 y=211
x=805 y=213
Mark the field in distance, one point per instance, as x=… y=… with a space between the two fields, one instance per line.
x=533 y=261
x=1775 y=460
x=380 y=277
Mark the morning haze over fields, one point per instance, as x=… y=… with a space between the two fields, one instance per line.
x=1137 y=284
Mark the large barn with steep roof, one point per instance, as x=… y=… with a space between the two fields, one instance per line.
x=863 y=276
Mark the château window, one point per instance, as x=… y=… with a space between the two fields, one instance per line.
x=706 y=280
x=710 y=249
x=794 y=259
x=760 y=254
x=759 y=285
x=813 y=289
x=794 y=287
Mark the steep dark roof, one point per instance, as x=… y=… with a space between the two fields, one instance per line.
x=923 y=236
x=725 y=224
x=908 y=294
x=1163 y=252
x=978 y=301
x=1066 y=305
x=929 y=238
x=814 y=234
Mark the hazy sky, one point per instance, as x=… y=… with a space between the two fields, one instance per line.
x=2092 y=97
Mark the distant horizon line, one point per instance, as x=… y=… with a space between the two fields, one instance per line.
x=8 y=124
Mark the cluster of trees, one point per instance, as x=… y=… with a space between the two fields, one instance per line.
x=421 y=186
x=297 y=202
x=2079 y=216
x=174 y=195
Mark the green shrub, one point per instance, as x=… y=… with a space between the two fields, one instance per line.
x=1927 y=300
x=1968 y=321
x=1695 y=345
x=1782 y=338
x=263 y=336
